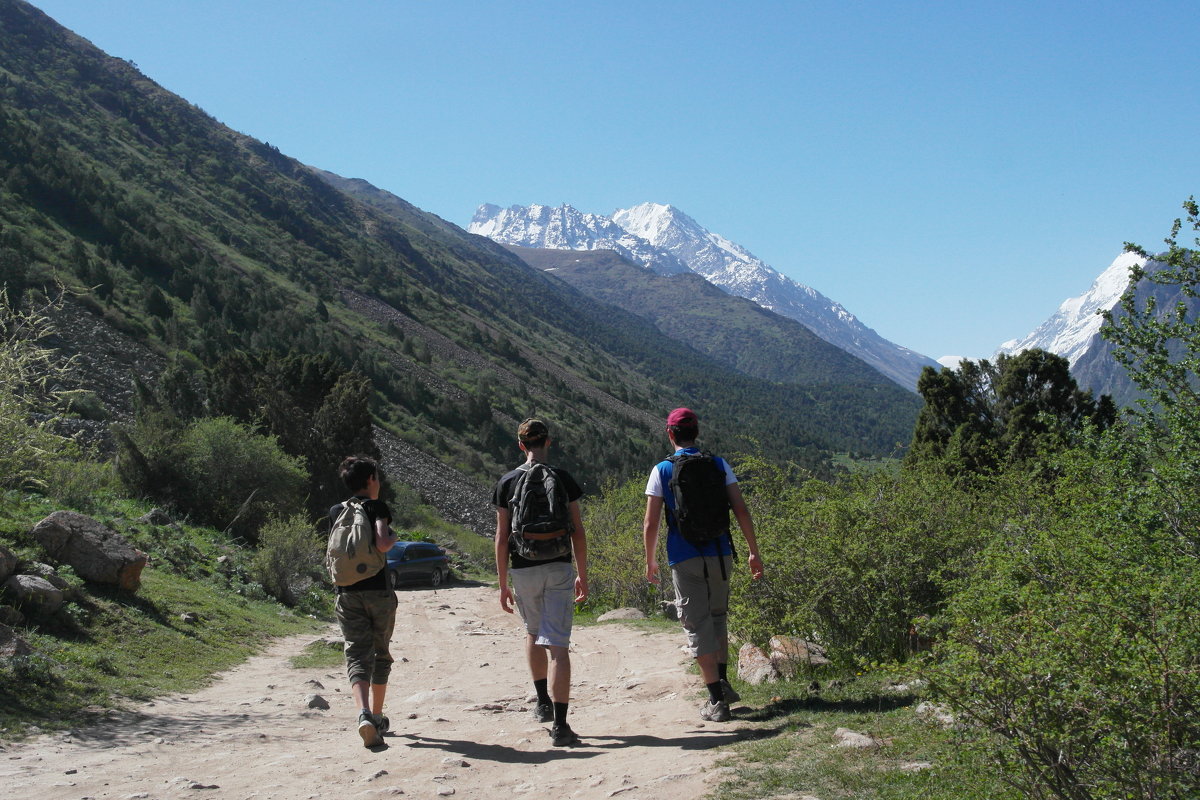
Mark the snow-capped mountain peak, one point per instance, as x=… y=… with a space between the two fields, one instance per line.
x=662 y=238
x=1070 y=330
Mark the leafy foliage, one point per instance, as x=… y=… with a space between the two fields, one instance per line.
x=983 y=416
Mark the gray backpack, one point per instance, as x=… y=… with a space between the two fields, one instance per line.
x=351 y=555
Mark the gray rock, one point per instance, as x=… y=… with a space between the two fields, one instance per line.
x=34 y=594
x=46 y=571
x=316 y=701
x=95 y=551
x=844 y=737
x=670 y=611
x=11 y=644
x=755 y=666
x=190 y=617
x=8 y=563
x=621 y=613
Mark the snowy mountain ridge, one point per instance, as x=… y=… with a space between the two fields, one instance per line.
x=1071 y=329
x=666 y=240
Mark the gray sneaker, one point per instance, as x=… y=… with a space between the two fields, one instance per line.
x=383 y=724
x=715 y=711
x=731 y=695
x=544 y=712
x=368 y=731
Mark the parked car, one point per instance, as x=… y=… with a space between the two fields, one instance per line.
x=418 y=562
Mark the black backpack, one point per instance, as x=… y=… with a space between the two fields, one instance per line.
x=541 y=514
x=701 y=501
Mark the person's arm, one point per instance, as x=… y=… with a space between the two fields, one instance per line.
x=579 y=548
x=502 y=527
x=384 y=538
x=737 y=504
x=650 y=536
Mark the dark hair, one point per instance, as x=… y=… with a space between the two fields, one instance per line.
x=685 y=433
x=356 y=470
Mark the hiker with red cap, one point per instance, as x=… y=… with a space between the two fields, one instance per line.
x=697 y=490
x=539 y=530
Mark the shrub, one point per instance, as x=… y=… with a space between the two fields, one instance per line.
x=616 y=555
x=215 y=470
x=853 y=564
x=1076 y=641
x=289 y=561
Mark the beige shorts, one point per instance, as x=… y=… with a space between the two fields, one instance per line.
x=546 y=600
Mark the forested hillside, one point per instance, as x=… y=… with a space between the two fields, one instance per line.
x=202 y=243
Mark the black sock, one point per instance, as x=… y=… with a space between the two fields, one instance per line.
x=715 y=692
x=560 y=713
x=723 y=670
x=542 y=693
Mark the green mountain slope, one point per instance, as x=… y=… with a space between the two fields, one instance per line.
x=197 y=241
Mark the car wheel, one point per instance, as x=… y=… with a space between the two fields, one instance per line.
x=435 y=579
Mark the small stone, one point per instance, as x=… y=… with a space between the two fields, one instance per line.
x=316 y=701
x=445 y=791
x=451 y=761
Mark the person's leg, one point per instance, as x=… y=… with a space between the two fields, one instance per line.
x=560 y=674
x=535 y=654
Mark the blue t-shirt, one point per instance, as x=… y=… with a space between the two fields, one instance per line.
x=678 y=548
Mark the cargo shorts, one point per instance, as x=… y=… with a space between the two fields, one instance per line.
x=545 y=597
x=367 y=620
x=703 y=602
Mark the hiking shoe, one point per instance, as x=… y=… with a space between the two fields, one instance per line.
x=715 y=711
x=563 y=736
x=383 y=724
x=368 y=731
x=544 y=712
x=731 y=695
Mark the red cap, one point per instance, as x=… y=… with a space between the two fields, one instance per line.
x=683 y=417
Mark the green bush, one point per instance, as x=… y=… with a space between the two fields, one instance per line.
x=215 y=470
x=852 y=564
x=1077 y=640
x=289 y=561
x=616 y=555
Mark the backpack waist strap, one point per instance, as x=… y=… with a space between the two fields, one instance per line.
x=541 y=537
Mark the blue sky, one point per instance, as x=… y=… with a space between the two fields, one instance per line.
x=949 y=172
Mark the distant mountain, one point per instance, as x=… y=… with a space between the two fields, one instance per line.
x=1072 y=329
x=664 y=235
x=732 y=330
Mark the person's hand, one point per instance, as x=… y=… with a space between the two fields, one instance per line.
x=506 y=599
x=652 y=570
x=581 y=589
x=756 y=566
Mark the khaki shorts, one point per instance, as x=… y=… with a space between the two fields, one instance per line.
x=703 y=602
x=545 y=597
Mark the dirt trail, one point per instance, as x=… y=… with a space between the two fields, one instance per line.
x=250 y=735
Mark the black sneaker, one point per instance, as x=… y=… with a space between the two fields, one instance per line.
x=731 y=695
x=563 y=736
x=382 y=723
x=368 y=731
x=544 y=712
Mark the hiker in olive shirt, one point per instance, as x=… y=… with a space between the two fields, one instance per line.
x=366 y=611
x=545 y=590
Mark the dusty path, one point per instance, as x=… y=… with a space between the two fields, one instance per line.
x=250 y=735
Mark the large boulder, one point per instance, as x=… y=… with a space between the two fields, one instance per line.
x=8 y=563
x=96 y=552
x=754 y=666
x=34 y=594
x=49 y=573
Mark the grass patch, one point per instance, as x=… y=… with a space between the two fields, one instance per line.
x=321 y=654
x=793 y=750
x=109 y=646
